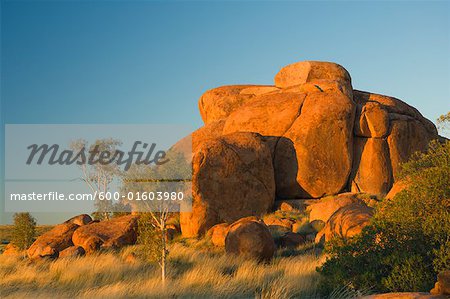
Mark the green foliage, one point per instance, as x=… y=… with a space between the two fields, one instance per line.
x=443 y=123
x=408 y=240
x=24 y=230
x=149 y=237
x=413 y=273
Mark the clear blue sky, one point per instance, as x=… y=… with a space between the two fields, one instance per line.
x=149 y=61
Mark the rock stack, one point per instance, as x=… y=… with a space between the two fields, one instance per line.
x=308 y=136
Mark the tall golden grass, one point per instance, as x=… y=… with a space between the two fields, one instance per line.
x=192 y=273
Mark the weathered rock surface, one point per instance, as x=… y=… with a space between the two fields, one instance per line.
x=407 y=137
x=80 y=220
x=218 y=233
x=324 y=138
x=71 y=252
x=268 y=115
x=273 y=220
x=324 y=208
x=218 y=103
x=291 y=239
x=232 y=178
x=306 y=71
x=442 y=286
x=108 y=234
x=314 y=157
x=346 y=222
x=250 y=238
x=49 y=244
x=372 y=120
x=11 y=249
x=398 y=187
x=372 y=169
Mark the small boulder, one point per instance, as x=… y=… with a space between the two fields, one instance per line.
x=303 y=227
x=71 y=252
x=11 y=249
x=218 y=233
x=288 y=205
x=251 y=238
x=291 y=239
x=325 y=207
x=49 y=244
x=273 y=220
x=346 y=222
x=131 y=258
x=171 y=231
x=398 y=187
x=80 y=220
x=442 y=286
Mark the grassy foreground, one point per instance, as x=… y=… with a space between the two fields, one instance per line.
x=192 y=272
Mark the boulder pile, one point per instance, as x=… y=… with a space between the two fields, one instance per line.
x=81 y=235
x=308 y=136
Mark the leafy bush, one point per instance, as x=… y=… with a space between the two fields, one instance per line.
x=149 y=236
x=24 y=230
x=407 y=242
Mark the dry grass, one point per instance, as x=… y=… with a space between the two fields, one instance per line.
x=192 y=273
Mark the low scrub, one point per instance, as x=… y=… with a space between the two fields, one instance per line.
x=408 y=241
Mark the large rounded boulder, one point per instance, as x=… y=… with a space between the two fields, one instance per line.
x=250 y=237
x=49 y=244
x=232 y=178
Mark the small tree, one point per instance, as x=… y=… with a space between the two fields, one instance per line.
x=152 y=225
x=443 y=124
x=99 y=176
x=152 y=235
x=24 y=230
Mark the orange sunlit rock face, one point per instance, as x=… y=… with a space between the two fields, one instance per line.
x=324 y=138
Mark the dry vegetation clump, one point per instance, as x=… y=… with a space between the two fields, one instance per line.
x=191 y=272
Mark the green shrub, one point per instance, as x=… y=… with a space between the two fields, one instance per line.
x=24 y=230
x=149 y=237
x=407 y=242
